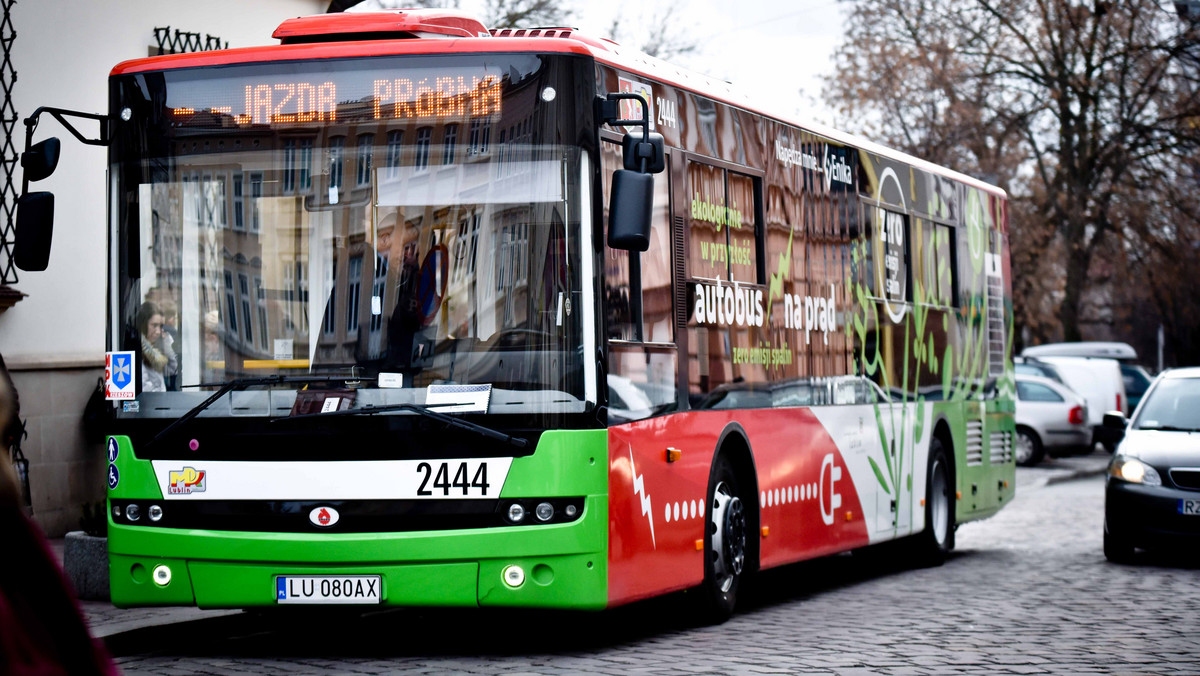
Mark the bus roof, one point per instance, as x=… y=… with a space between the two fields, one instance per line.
x=441 y=31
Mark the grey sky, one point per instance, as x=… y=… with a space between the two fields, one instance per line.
x=775 y=52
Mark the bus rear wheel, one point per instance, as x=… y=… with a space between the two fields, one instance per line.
x=724 y=543
x=934 y=544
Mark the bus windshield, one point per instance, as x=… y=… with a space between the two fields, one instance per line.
x=404 y=220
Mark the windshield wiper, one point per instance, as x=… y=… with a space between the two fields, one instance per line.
x=241 y=384
x=1169 y=428
x=426 y=411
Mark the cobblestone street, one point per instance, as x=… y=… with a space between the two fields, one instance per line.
x=1027 y=592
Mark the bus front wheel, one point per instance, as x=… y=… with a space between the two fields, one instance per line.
x=725 y=542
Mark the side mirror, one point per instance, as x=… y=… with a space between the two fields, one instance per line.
x=629 y=210
x=40 y=160
x=35 y=226
x=644 y=154
x=1112 y=427
x=1115 y=420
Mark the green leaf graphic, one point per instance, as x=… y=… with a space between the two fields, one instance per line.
x=879 y=476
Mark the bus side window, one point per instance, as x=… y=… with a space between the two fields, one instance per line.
x=657 y=318
x=934 y=264
x=889 y=256
x=727 y=323
x=641 y=375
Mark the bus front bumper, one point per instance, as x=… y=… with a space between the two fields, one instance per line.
x=562 y=565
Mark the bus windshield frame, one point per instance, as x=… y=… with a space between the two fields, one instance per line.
x=395 y=223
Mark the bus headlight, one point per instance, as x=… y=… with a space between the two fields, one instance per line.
x=162 y=575
x=514 y=576
x=544 y=511
x=516 y=513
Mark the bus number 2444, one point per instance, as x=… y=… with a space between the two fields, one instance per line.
x=445 y=478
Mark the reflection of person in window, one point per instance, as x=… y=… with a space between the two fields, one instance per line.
x=156 y=353
x=171 y=341
x=406 y=316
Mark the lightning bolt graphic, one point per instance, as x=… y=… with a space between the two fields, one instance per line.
x=639 y=489
x=776 y=287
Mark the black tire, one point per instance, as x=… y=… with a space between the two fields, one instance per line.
x=935 y=543
x=1117 y=549
x=1029 y=447
x=725 y=543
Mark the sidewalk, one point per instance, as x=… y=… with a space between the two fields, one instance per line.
x=106 y=620
x=1058 y=470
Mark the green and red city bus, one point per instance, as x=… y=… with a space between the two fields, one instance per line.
x=406 y=367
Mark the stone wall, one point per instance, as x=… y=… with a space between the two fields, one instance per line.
x=65 y=471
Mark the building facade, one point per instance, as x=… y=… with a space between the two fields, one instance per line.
x=52 y=337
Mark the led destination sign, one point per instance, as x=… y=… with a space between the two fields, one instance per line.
x=426 y=94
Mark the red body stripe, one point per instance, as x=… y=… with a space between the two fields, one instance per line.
x=789 y=448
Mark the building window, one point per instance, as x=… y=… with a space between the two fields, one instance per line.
x=421 y=160
x=449 y=140
x=465 y=245
x=329 y=324
x=244 y=297
x=337 y=150
x=302 y=292
x=304 y=164
x=480 y=134
x=239 y=217
x=260 y=297
x=230 y=304
x=256 y=193
x=394 y=140
x=378 y=291
x=289 y=296
x=289 y=166
x=219 y=206
x=353 y=289
x=366 y=143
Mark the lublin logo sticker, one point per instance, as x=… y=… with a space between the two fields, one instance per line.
x=323 y=517
x=186 y=481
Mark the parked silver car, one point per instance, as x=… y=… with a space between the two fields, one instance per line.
x=1050 y=416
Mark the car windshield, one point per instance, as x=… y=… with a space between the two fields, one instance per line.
x=1173 y=404
x=367 y=226
x=1043 y=370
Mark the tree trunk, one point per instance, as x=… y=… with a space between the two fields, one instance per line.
x=1078 y=260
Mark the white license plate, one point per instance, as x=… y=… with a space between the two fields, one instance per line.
x=1189 y=507
x=327 y=588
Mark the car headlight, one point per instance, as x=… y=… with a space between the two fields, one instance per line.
x=1134 y=471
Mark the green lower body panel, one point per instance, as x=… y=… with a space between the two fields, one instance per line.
x=566 y=581
x=221 y=585
x=561 y=565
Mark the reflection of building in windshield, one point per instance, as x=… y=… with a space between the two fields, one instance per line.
x=322 y=245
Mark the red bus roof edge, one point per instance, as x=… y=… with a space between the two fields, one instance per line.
x=543 y=40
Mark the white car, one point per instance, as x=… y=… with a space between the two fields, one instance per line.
x=1049 y=416
x=1098 y=381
